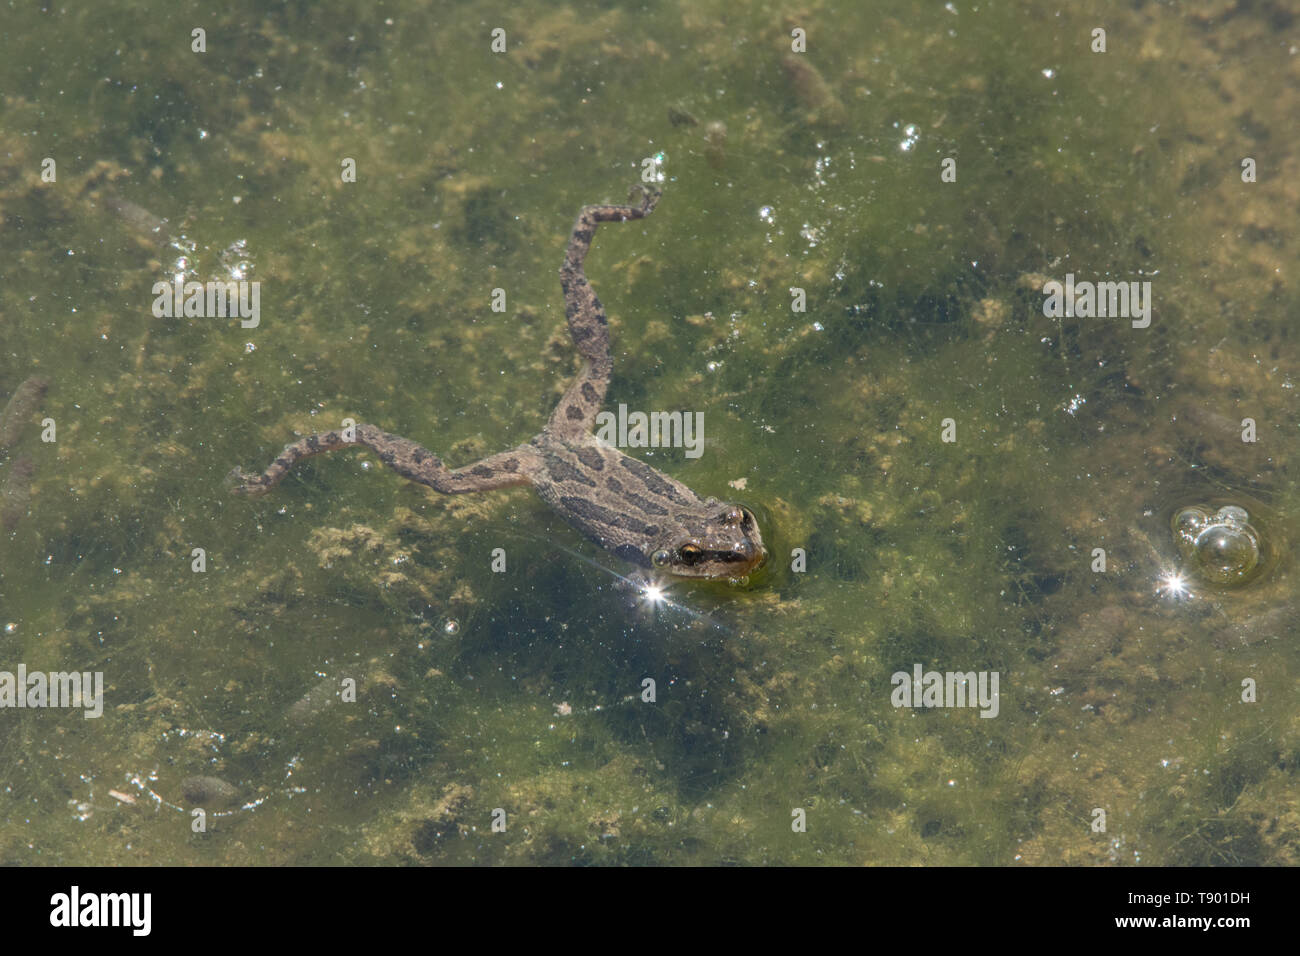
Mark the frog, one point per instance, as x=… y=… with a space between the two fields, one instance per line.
x=632 y=510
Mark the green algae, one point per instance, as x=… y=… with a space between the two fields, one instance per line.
x=924 y=304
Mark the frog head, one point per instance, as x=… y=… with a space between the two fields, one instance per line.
x=723 y=543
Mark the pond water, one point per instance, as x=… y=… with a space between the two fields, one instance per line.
x=972 y=300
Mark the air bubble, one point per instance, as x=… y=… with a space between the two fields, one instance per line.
x=1223 y=547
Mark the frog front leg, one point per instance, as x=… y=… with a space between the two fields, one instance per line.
x=409 y=459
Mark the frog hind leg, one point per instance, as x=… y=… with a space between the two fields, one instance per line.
x=588 y=324
x=409 y=459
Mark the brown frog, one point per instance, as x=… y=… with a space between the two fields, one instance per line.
x=621 y=503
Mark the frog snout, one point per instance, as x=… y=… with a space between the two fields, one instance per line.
x=751 y=553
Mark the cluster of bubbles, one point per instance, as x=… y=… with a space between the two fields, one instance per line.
x=1222 y=545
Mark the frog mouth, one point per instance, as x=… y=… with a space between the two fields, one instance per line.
x=742 y=561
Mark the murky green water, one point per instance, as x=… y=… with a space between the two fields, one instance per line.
x=818 y=171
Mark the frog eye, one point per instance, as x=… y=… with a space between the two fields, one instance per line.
x=660 y=558
x=691 y=553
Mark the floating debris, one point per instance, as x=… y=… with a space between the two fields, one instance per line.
x=680 y=116
x=315 y=702
x=812 y=91
x=18 y=411
x=715 y=143
x=139 y=219
x=16 y=495
x=209 y=792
